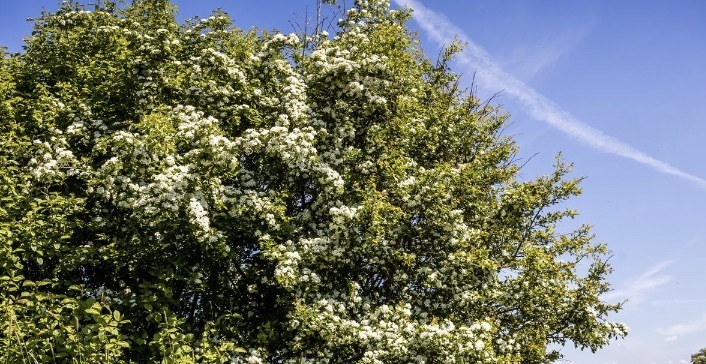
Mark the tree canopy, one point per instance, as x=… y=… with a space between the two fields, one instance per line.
x=186 y=193
x=699 y=358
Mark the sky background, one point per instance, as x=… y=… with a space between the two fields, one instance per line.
x=619 y=87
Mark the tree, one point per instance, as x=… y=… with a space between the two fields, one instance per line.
x=196 y=193
x=699 y=358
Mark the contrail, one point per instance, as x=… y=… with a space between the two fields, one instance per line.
x=537 y=105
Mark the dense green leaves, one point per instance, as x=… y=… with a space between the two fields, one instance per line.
x=195 y=193
x=699 y=358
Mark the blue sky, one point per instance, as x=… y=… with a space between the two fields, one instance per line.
x=620 y=89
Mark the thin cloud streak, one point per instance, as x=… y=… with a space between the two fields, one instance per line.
x=491 y=75
x=686 y=328
x=678 y=302
x=637 y=288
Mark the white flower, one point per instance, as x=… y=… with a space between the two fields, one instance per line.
x=198 y=213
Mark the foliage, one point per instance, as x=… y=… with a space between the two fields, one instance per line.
x=699 y=358
x=195 y=193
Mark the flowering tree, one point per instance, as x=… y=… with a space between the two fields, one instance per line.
x=196 y=193
x=699 y=358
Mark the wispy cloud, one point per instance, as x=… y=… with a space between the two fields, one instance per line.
x=636 y=289
x=491 y=75
x=686 y=328
x=526 y=64
x=671 y=338
x=679 y=302
x=528 y=60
